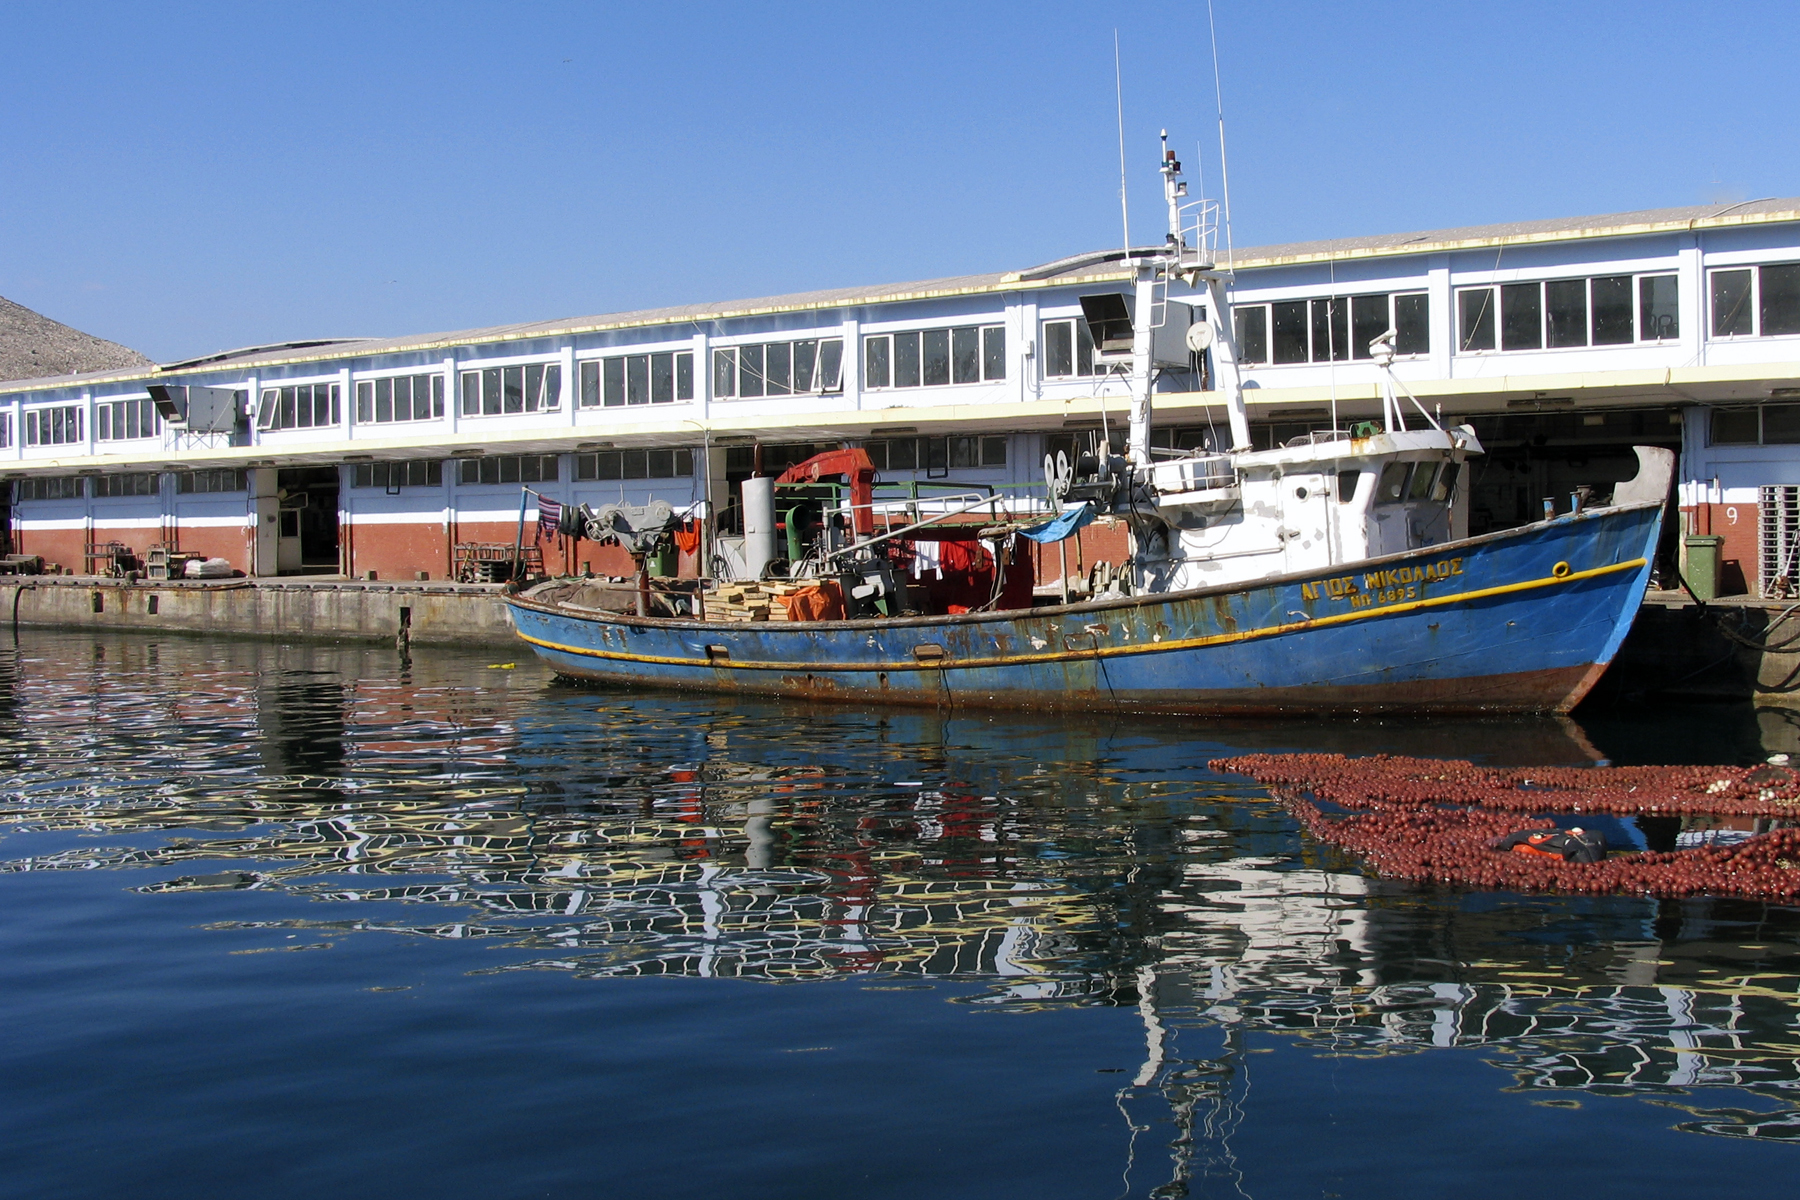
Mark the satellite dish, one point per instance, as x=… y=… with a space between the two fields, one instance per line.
x=1199 y=336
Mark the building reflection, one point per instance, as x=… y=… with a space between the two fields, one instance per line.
x=1046 y=865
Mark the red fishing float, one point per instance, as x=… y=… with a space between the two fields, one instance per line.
x=1452 y=822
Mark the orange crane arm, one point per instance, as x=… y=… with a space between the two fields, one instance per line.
x=855 y=466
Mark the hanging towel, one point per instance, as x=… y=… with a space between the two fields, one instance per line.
x=1060 y=527
x=549 y=517
x=924 y=558
x=687 y=537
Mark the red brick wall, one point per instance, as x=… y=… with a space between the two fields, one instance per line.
x=398 y=551
x=1738 y=554
x=64 y=547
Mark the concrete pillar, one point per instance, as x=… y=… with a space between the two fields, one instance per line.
x=265 y=513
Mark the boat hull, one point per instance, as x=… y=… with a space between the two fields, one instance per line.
x=1519 y=621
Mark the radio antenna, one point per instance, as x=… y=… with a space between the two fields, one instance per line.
x=1119 y=97
x=1219 y=97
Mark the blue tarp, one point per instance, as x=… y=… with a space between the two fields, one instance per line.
x=1058 y=528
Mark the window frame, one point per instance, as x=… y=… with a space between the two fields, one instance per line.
x=369 y=398
x=605 y=466
x=539 y=388
x=109 y=413
x=1755 y=300
x=500 y=462
x=144 y=483
x=1761 y=411
x=234 y=479
x=278 y=406
x=1495 y=314
x=1301 y=320
x=914 y=355
x=746 y=371
x=372 y=475
x=55 y=425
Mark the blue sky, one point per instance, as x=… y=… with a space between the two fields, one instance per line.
x=187 y=177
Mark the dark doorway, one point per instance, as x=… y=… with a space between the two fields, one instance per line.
x=1533 y=456
x=309 y=521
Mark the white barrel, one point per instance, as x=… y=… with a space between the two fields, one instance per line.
x=759 y=524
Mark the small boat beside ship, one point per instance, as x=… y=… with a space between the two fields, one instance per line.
x=1331 y=574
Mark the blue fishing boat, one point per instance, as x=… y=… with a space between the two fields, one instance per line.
x=1329 y=574
x=1519 y=621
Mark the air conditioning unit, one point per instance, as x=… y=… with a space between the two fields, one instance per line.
x=197 y=409
x=1109 y=321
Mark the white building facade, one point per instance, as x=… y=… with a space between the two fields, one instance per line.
x=1563 y=342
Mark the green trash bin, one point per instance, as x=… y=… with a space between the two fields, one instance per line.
x=1702 y=568
x=662 y=561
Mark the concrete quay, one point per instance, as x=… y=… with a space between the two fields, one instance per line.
x=307 y=608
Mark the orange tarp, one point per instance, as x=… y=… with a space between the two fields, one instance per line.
x=823 y=601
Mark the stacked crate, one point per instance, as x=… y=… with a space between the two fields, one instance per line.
x=749 y=601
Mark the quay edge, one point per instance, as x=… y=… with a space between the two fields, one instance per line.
x=427 y=613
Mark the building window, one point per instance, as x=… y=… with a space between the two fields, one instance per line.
x=1756 y=301
x=126 y=420
x=937 y=454
x=208 y=482
x=1659 y=310
x=1756 y=424
x=509 y=468
x=1558 y=314
x=638 y=379
x=135 y=483
x=400 y=398
x=59 y=426
x=497 y=391
x=54 y=487
x=1331 y=328
x=808 y=367
x=635 y=464
x=392 y=476
x=935 y=357
x=1069 y=350
x=307 y=406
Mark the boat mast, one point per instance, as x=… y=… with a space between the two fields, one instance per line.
x=1192 y=262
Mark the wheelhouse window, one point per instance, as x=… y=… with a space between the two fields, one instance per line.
x=935 y=357
x=1555 y=314
x=501 y=391
x=661 y=378
x=126 y=420
x=400 y=398
x=392 y=476
x=304 y=406
x=635 y=464
x=1331 y=328
x=59 y=426
x=804 y=367
x=509 y=468
x=1755 y=301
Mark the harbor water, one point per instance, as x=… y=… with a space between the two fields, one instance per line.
x=323 y=921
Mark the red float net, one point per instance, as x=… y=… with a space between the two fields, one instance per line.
x=1430 y=820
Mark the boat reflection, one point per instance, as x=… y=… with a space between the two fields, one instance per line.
x=1046 y=863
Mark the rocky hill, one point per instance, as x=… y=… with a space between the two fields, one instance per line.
x=32 y=346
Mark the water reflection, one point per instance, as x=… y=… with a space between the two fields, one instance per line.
x=1063 y=863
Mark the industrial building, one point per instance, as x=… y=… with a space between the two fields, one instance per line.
x=1563 y=342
